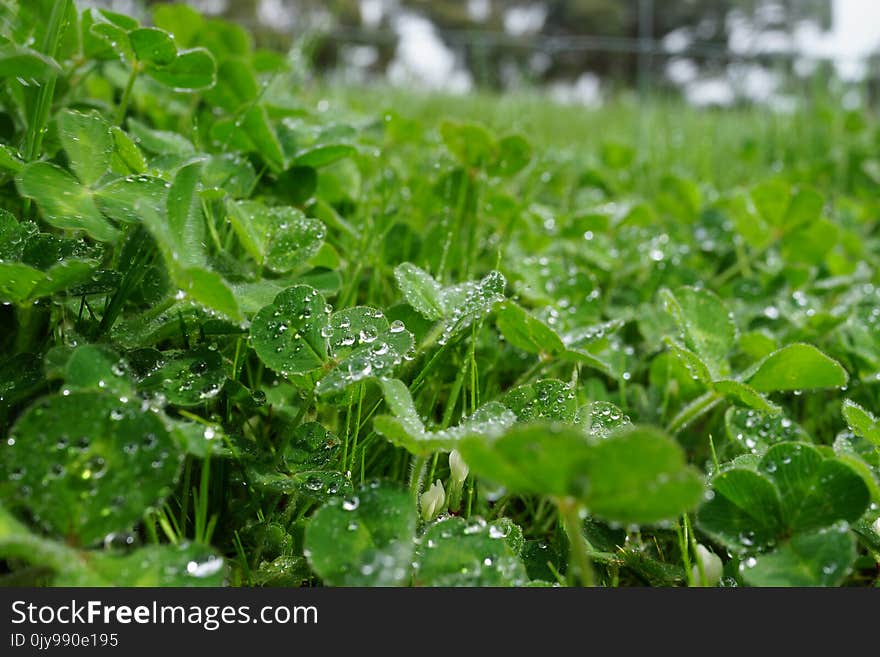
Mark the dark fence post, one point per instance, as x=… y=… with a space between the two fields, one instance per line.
x=646 y=45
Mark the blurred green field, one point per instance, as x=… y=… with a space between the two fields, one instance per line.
x=725 y=146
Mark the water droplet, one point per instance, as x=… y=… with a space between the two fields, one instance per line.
x=209 y=567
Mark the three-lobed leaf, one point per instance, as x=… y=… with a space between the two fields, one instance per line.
x=793 y=489
x=363 y=540
x=635 y=475
x=821 y=558
x=457 y=552
x=287 y=334
x=706 y=325
x=88 y=143
x=298 y=333
x=73 y=459
x=64 y=202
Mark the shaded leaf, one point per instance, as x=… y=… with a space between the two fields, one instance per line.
x=73 y=458
x=638 y=475
x=287 y=334
x=190 y=70
x=527 y=332
x=152 y=45
x=814 y=491
x=745 y=511
x=63 y=201
x=363 y=540
x=706 y=325
x=822 y=558
x=187 y=379
x=87 y=140
x=458 y=552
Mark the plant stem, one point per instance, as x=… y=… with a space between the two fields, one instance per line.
x=697 y=408
x=34 y=138
x=126 y=94
x=534 y=369
x=569 y=513
x=692 y=545
x=416 y=475
x=681 y=531
x=743 y=263
x=30 y=319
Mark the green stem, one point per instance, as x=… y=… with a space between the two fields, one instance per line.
x=743 y=262
x=453 y=396
x=697 y=408
x=37 y=127
x=534 y=369
x=470 y=500
x=29 y=329
x=454 y=495
x=435 y=359
x=130 y=281
x=692 y=545
x=681 y=531
x=569 y=513
x=126 y=94
x=358 y=423
x=416 y=475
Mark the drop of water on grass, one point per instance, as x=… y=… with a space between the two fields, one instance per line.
x=211 y=566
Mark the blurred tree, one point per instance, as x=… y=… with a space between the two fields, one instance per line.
x=479 y=31
x=703 y=23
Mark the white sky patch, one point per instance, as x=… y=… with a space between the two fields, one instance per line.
x=586 y=90
x=525 y=20
x=677 y=40
x=710 y=91
x=479 y=10
x=754 y=82
x=423 y=59
x=360 y=56
x=682 y=71
x=372 y=12
x=276 y=14
x=854 y=34
x=211 y=6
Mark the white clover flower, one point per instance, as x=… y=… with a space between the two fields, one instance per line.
x=712 y=566
x=457 y=467
x=432 y=501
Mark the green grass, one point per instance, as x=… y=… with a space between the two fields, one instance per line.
x=731 y=146
x=259 y=332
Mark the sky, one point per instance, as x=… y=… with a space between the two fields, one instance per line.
x=854 y=34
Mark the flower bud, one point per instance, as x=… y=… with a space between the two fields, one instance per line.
x=876 y=526
x=712 y=567
x=457 y=467
x=432 y=501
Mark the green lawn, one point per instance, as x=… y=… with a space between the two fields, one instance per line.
x=260 y=333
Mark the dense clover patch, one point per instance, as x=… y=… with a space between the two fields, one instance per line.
x=255 y=334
